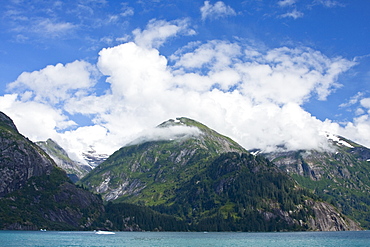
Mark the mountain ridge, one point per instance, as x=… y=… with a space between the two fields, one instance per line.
x=196 y=148
x=187 y=177
x=179 y=177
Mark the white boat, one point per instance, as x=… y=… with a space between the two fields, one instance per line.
x=104 y=232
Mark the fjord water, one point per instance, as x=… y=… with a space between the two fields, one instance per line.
x=178 y=239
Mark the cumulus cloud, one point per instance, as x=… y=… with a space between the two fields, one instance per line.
x=56 y=83
x=29 y=114
x=254 y=96
x=218 y=10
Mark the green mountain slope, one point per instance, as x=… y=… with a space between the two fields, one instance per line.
x=149 y=172
x=340 y=176
x=207 y=180
x=34 y=192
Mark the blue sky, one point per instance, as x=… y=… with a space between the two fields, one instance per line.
x=99 y=73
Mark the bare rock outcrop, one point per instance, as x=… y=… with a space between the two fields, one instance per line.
x=327 y=218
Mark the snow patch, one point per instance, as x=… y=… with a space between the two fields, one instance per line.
x=255 y=153
x=338 y=141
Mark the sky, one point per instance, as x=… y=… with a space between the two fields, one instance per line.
x=267 y=73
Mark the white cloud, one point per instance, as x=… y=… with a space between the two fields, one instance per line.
x=127 y=11
x=365 y=103
x=158 y=31
x=354 y=100
x=329 y=3
x=133 y=70
x=254 y=96
x=218 y=10
x=56 y=83
x=286 y=75
x=358 y=130
x=47 y=27
x=218 y=54
x=44 y=27
x=295 y=14
x=29 y=114
x=166 y=134
x=284 y=3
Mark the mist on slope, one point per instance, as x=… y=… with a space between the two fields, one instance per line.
x=168 y=133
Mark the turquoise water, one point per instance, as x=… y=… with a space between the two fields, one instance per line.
x=178 y=239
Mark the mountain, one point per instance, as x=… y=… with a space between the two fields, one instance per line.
x=74 y=169
x=93 y=158
x=132 y=170
x=188 y=171
x=340 y=175
x=34 y=192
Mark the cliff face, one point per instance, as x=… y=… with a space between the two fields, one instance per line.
x=327 y=218
x=34 y=192
x=20 y=158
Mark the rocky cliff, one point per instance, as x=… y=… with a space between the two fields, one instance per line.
x=327 y=218
x=34 y=192
x=20 y=158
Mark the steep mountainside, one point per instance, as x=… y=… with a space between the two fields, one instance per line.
x=20 y=159
x=139 y=169
x=74 y=169
x=209 y=181
x=34 y=192
x=340 y=176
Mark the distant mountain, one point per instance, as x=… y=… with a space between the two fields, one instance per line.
x=74 y=169
x=93 y=158
x=340 y=175
x=34 y=192
x=186 y=170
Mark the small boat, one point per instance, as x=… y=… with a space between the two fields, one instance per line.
x=104 y=232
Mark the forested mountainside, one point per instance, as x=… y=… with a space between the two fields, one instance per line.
x=210 y=181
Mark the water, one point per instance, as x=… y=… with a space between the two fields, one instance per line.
x=179 y=239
